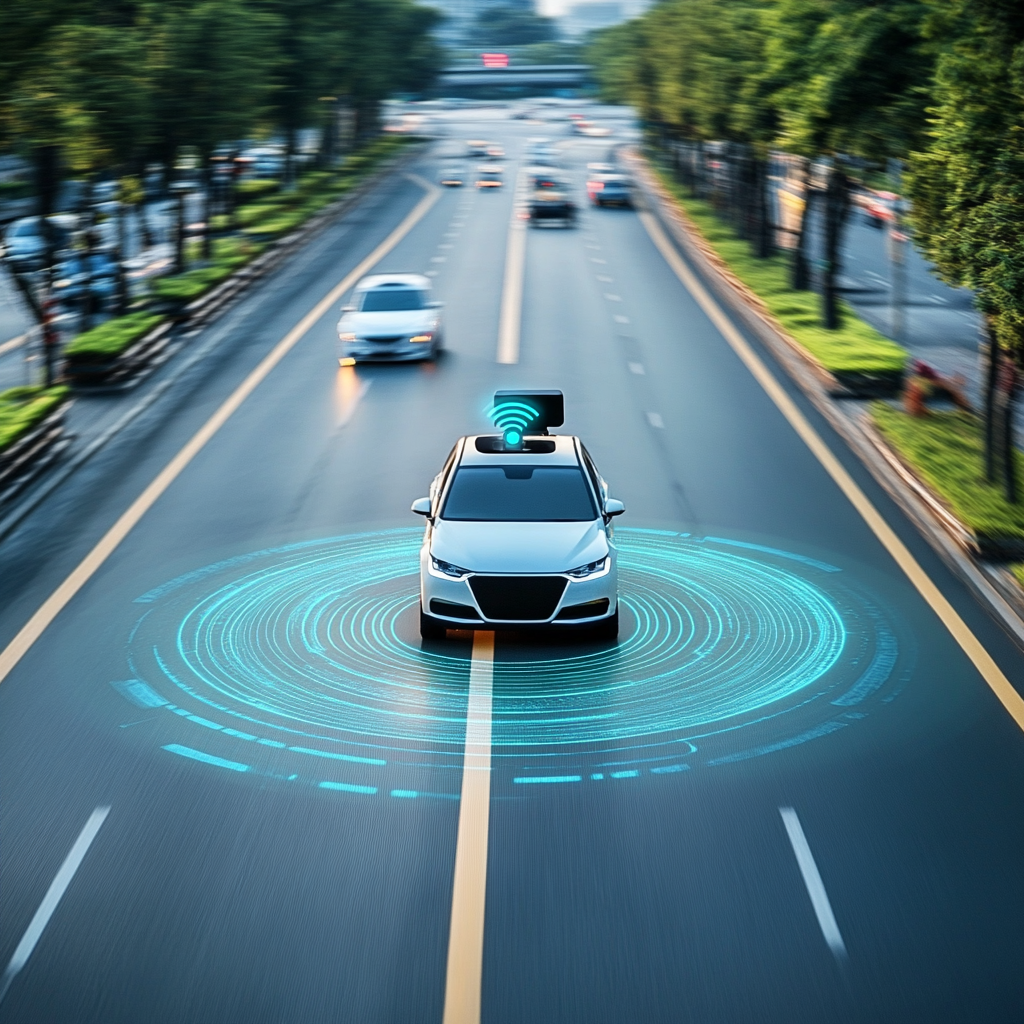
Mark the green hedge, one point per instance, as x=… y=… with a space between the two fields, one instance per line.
x=228 y=255
x=112 y=338
x=253 y=188
x=22 y=408
x=855 y=348
x=946 y=449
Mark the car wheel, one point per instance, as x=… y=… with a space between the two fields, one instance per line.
x=430 y=628
x=607 y=629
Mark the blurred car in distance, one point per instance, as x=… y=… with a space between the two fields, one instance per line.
x=452 y=176
x=551 y=203
x=476 y=147
x=609 y=190
x=495 y=152
x=489 y=176
x=392 y=318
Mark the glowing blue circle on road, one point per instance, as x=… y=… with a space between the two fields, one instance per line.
x=319 y=641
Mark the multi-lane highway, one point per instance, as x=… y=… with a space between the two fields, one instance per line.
x=237 y=787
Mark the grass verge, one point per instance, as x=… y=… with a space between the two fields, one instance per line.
x=946 y=449
x=22 y=408
x=111 y=338
x=856 y=348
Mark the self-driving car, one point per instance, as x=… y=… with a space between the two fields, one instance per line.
x=392 y=317
x=519 y=530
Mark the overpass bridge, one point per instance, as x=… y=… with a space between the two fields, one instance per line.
x=511 y=82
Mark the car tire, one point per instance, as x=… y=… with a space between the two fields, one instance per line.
x=431 y=628
x=607 y=629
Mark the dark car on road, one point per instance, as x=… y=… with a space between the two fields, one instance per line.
x=551 y=203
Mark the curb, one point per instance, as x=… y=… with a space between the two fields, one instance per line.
x=24 y=460
x=992 y=585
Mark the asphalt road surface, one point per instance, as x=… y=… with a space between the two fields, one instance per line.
x=789 y=793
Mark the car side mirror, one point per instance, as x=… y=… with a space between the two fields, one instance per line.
x=614 y=507
x=421 y=506
x=435 y=305
x=348 y=309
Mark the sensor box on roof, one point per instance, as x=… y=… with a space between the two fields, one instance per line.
x=550 y=406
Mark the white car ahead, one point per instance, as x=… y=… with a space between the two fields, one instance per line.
x=518 y=537
x=392 y=317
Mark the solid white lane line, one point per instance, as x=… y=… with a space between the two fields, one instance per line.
x=512 y=289
x=83 y=572
x=469 y=890
x=812 y=879
x=887 y=536
x=53 y=896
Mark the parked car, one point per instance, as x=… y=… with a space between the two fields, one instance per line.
x=77 y=275
x=25 y=245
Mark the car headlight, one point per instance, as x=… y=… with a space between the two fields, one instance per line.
x=346 y=337
x=422 y=337
x=590 y=569
x=447 y=569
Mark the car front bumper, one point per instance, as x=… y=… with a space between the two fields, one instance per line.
x=390 y=351
x=453 y=601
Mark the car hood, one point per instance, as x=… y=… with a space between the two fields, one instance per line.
x=518 y=547
x=404 y=321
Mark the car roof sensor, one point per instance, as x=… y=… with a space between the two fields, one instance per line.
x=516 y=412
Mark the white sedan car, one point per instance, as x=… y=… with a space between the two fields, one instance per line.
x=519 y=539
x=392 y=317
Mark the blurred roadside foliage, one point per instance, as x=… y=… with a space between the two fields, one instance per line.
x=935 y=86
x=90 y=85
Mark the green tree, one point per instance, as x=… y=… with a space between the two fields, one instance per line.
x=967 y=188
x=214 y=64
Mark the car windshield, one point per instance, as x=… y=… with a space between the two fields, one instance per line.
x=386 y=300
x=525 y=494
x=25 y=229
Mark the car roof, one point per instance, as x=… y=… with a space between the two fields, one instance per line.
x=393 y=281
x=563 y=455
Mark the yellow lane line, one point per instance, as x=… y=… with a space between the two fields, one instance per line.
x=52 y=606
x=509 y=322
x=960 y=631
x=469 y=891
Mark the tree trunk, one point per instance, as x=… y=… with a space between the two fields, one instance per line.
x=289 y=157
x=761 y=220
x=799 y=275
x=837 y=204
x=46 y=167
x=179 y=233
x=990 y=365
x=88 y=218
x=207 y=208
x=1006 y=400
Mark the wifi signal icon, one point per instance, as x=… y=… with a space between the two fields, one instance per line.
x=512 y=419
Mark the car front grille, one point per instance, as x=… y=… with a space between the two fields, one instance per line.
x=518 y=598
x=386 y=341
